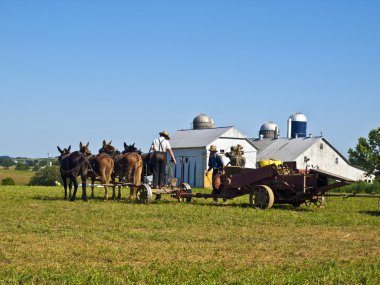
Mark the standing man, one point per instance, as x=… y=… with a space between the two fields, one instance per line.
x=215 y=163
x=159 y=147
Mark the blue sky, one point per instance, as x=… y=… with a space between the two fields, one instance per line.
x=74 y=71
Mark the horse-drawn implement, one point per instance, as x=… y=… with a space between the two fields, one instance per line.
x=272 y=184
x=265 y=186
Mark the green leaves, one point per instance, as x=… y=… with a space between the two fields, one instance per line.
x=366 y=153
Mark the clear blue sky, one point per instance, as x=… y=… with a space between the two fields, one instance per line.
x=74 y=71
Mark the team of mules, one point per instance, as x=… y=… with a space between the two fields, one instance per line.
x=128 y=166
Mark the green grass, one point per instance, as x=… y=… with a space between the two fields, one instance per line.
x=361 y=187
x=20 y=177
x=45 y=240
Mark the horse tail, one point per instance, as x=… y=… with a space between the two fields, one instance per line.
x=109 y=169
x=138 y=168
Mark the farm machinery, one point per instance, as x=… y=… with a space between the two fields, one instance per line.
x=265 y=186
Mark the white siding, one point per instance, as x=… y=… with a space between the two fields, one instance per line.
x=326 y=158
x=194 y=165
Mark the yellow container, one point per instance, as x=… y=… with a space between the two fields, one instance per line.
x=266 y=162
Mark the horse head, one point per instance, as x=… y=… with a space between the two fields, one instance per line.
x=108 y=148
x=131 y=148
x=64 y=152
x=84 y=149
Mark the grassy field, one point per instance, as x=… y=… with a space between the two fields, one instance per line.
x=45 y=240
x=20 y=177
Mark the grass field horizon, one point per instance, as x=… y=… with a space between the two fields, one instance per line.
x=51 y=241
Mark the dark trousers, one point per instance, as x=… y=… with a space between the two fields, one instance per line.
x=159 y=170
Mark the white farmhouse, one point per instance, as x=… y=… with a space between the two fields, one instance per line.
x=191 y=146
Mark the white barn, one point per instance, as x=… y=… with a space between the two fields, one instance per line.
x=308 y=152
x=191 y=147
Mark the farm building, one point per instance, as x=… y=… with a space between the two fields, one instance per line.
x=191 y=147
x=307 y=151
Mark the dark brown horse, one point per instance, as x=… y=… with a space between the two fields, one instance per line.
x=71 y=166
x=63 y=153
x=128 y=168
x=101 y=167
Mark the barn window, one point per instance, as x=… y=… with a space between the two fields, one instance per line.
x=336 y=160
x=321 y=146
x=222 y=151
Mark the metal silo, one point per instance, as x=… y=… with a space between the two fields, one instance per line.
x=203 y=121
x=297 y=124
x=269 y=130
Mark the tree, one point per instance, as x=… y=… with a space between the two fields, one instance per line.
x=46 y=176
x=6 y=161
x=21 y=166
x=43 y=163
x=366 y=154
x=8 y=181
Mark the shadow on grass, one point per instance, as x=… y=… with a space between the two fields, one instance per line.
x=47 y=198
x=100 y=199
x=203 y=203
x=371 y=213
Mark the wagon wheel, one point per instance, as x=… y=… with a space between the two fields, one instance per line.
x=261 y=197
x=144 y=194
x=186 y=188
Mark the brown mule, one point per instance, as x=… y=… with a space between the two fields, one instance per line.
x=128 y=168
x=101 y=167
x=147 y=158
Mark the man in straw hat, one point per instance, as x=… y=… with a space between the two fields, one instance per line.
x=159 y=147
x=215 y=163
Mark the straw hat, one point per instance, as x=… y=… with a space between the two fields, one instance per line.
x=165 y=134
x=213 y=148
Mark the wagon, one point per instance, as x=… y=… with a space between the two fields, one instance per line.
x=265 y=186
x=181 y=193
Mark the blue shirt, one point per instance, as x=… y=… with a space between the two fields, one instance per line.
x=215 y=162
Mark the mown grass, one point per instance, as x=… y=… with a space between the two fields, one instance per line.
x=20 y=177
x=45 y=240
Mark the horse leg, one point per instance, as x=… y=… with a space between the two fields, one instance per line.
x=105 y=193
x=92 y=187
x=74 y=180
x=113 y=179
x=64 y=186
x=84 y=184
x=119 y=194
x=129 y=179
x=70 y=188
x=105 y=188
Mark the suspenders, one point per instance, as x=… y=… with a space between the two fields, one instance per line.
x=160 y=148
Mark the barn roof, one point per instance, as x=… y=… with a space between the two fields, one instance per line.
x=203 y=137
x=284 y=149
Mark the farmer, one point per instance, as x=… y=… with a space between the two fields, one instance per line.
x=159 y=147
x=215 y=163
